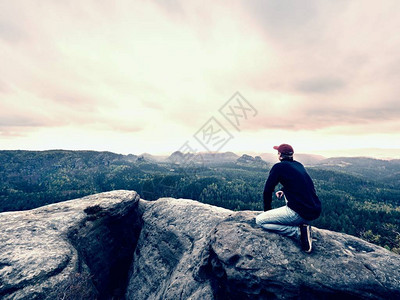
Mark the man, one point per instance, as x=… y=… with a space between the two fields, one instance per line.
x=302 y=203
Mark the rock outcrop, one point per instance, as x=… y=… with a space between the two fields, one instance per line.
x=114 y=245
x=189 y=250
x=250 y=161
x=78 y=249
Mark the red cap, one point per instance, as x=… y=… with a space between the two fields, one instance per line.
x=284 y=149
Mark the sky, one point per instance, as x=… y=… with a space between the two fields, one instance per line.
x=198 y=76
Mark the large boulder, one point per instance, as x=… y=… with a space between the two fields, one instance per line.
x=114 y=245
x=175 y=232
x=189 y=250
x=78 y=249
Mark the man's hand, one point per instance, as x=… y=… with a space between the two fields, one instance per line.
x=279 y=194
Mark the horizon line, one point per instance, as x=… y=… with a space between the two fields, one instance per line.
x=323 y=153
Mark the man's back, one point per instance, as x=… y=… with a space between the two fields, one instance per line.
x=297 y=186
x=302 y=203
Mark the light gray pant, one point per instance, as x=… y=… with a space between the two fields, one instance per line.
x=282 y=220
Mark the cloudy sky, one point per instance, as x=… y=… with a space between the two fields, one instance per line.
x=154 y=76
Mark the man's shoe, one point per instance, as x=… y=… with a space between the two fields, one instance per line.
x=305 y=237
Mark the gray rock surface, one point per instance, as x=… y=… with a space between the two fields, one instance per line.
x=111 y=245
x=189 y=250
x=174 y=234
x=74 y=249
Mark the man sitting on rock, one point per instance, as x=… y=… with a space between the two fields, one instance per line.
x=302 y=203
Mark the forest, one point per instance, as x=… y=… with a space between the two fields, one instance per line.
x=360 y=196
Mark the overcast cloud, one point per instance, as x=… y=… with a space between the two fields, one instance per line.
x=134 y=72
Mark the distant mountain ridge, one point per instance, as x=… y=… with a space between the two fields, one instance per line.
x=378 y=169
x=202 y=157
x=151 y=157
x=220 y=157
x=383 y=171
x=105 y=157
x=308 y=159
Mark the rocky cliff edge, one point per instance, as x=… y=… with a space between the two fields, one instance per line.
x=115 y=245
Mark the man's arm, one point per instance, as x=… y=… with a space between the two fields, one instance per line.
x=272 y=181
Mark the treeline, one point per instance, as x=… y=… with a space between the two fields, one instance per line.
x=30 y=179
x=351 y=204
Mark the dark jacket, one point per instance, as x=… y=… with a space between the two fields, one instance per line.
x=297 y=186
